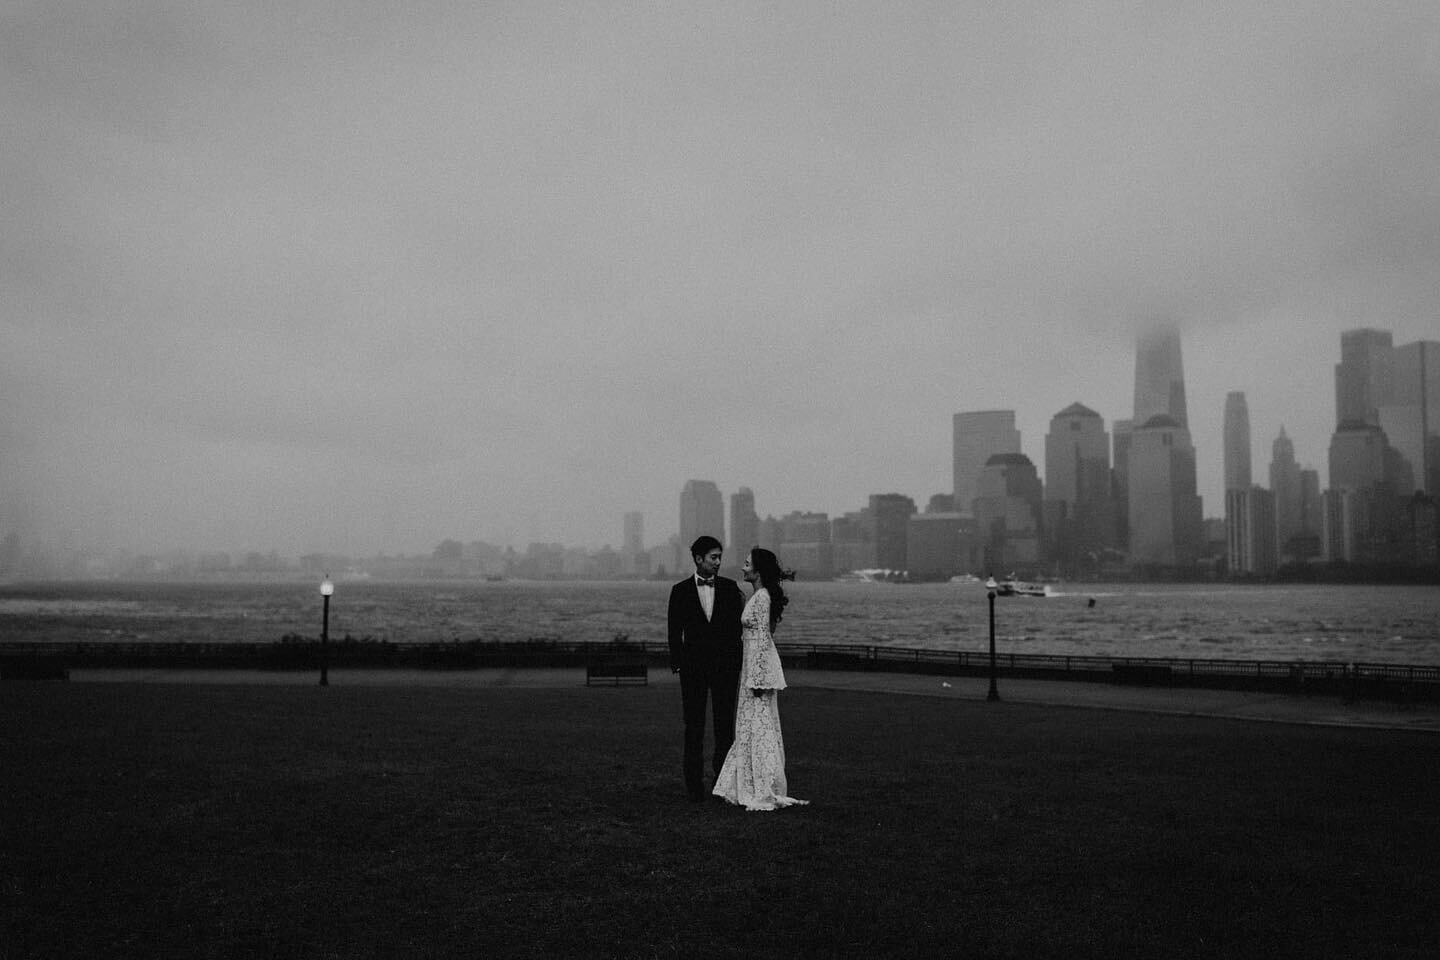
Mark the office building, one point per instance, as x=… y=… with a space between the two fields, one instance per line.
x=1250 y=531
x=1409 y=413
x=1237 y=442
x=1159 y=375
x=1120 y=481
x=891 y=513
x=1165 y=512
x=1163 y=506
x=634 y=561
x=1239 y=518
x=1285 y=484
x=1362 y=375
x=702 y=511
x=1079 y=512
x=941 y=545
x=977 y=436
x=805 y=544
x=852 y=541
x=744 y=527
x=1008 y=514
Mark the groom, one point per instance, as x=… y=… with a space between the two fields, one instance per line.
x=704 y=626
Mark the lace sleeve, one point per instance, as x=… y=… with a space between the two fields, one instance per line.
x=762 y=660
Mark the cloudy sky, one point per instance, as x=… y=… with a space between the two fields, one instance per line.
x=360 y=276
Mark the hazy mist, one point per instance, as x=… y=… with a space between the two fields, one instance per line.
x=364 y=276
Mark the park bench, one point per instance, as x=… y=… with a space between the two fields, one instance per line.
x=33 y=666
x=617 y=670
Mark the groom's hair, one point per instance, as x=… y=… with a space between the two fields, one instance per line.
x=704 y=544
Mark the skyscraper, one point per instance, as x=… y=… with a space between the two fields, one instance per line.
x=1164 y=507
x=1249 y=511
x=1250 y=531
x=1008 y=513
x=1159 y=375
x=1409 y=412
x=1165 y=515
x=1362 y=519
x=1120 y=480
x=977 y=436
x=744 y=526
x=1285 y=484
x=1361 y=376
x=1237 y=441
x=702 y=511
x=635 y=561
x=1079 y=515
x=891 y=512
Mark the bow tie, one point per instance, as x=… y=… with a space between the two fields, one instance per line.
x=705 y=583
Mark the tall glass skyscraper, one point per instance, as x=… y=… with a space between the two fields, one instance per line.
x=1159 y=376
x=1237 y=441
x=744 y=526
x=1285 y=484
x=1164 y=507
x=978 y=435
x=702 y=510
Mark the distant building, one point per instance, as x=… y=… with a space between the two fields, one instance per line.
x=1165 y=510
x=1409 y=412
x=805 y=545
x=1289 y=497
x=942 y=545
x=634 y=561
x=1237 y=442
x=1239 y=515
x=1362 y=375
x=1120 y=480
x=1008 y=514
x=891 y=513
x=1079 y=512
x=744 y=526
x=702 y=511
x=1163 y=507
x=770 y=534
x=977 y=436
x=1159 y=375
x=1250 y=531
x=852 y=542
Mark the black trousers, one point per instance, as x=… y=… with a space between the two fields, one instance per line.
x=720 y=683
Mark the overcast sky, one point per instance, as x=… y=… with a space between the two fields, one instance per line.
x=358 y=276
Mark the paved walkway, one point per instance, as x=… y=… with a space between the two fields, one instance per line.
x=1184 y=701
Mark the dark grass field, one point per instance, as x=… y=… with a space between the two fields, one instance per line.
x=247 y=821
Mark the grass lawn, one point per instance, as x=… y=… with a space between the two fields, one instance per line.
x=251 y=821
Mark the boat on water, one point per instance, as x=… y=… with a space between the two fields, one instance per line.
x=1013 y=587
x=965 y=578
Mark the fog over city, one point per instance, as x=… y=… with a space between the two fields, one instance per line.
x=360 y=277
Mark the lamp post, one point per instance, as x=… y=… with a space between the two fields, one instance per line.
x=326 y=588
x=990 y=589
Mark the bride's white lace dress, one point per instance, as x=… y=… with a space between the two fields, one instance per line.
x=753 y=774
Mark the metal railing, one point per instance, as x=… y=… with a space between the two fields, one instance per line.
x=301 y=653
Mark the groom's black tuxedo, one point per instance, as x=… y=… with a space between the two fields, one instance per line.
x=695 y=641
x=707 y=654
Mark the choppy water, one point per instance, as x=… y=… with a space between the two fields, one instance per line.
x=1399 y=624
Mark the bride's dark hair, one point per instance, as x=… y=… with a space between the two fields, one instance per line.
x=769 y=573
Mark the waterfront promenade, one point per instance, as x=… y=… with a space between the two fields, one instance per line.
x=1259 y=706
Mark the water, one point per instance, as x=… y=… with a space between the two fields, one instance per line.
x=1391 y=624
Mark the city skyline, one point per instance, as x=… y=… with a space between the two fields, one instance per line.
x=364 y=284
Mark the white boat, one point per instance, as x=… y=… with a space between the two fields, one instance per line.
x=1011 y=587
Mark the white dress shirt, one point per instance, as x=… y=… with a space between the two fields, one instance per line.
x=707 y=596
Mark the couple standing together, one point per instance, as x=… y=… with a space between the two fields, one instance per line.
x=723 y=648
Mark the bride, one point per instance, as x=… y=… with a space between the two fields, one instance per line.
x=753 y=774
